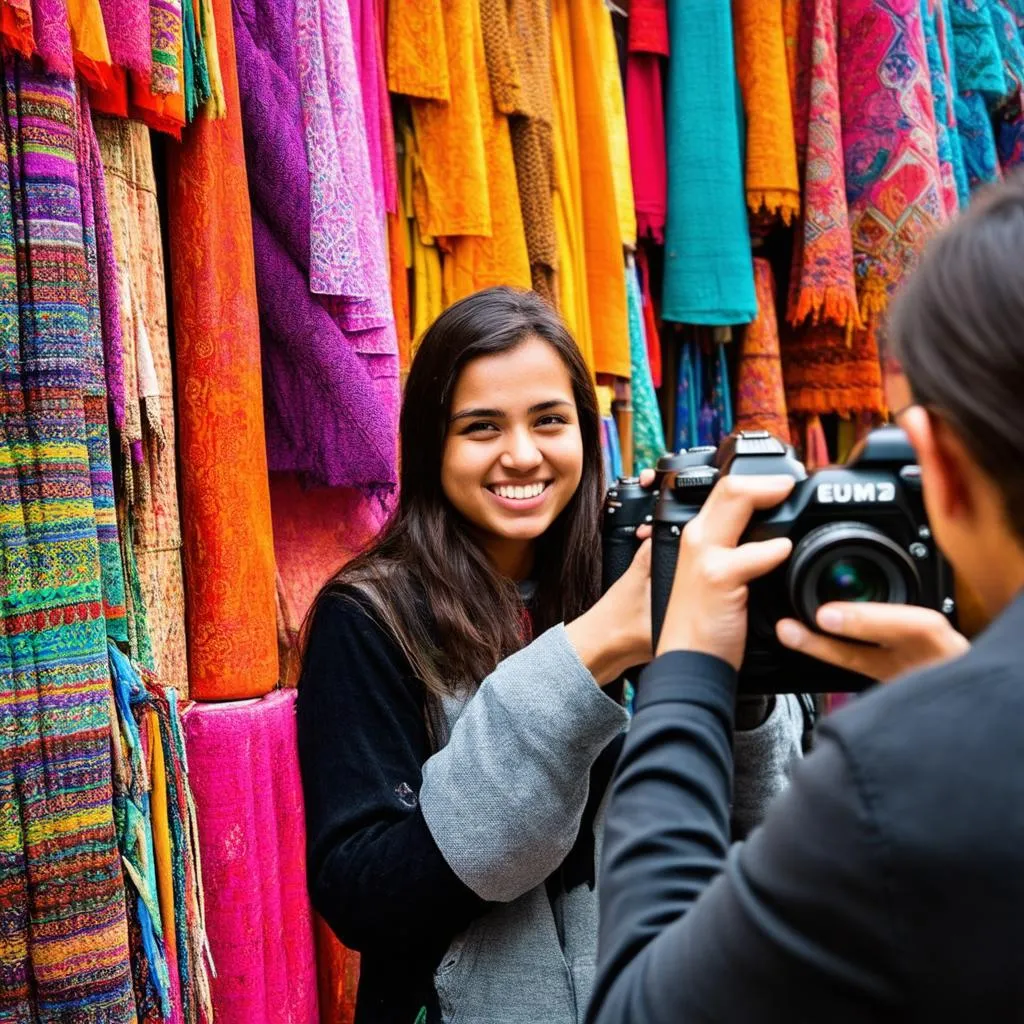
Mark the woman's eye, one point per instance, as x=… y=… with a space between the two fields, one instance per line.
x=480 y=427
x=553 y=420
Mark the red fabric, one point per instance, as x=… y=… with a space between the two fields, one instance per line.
x=645 y=114
x=645 y=122
x=648 y=27
x=228 y=550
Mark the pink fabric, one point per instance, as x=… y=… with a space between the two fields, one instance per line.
x=243 y=763
x=366 y=35
x=645 y=114
x=127 y=25
x=348 y=257
x=53 y=36
x=389 y=157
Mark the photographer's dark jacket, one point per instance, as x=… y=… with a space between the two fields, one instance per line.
x=885 y=885
x=461 y=875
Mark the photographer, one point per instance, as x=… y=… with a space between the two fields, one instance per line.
x=885 y=884
x=457 y=724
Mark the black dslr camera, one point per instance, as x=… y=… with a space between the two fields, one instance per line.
x=859 y=533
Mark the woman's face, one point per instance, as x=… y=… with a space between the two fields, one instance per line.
x=513 y=453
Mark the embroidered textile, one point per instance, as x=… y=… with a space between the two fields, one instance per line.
x=648 y=432
x=893 y=181
x=59 y=855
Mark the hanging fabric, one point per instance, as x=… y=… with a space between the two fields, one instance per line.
x=58 y=527
x=772 y=182
x=645 y=114
x=648 y=432
x=517 y=41
x=151 y=459
x=893 y=182
x=760 y=392
x=227 y=546
x=573 y=289
x=822 y=283
x=604 y=204
x=708 y=276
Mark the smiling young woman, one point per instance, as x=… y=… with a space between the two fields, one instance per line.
x=455 y=734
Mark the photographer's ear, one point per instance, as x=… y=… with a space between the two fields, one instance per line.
x=949 y=475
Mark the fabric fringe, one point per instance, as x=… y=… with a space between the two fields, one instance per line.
x=832 y=303
x=784 y=203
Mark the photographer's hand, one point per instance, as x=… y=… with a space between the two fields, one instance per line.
x=707 y=611
x=906 y=637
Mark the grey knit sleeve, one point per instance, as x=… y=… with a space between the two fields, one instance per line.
x=504 y=797
x=764 y=758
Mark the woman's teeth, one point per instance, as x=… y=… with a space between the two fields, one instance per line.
x=519 y=493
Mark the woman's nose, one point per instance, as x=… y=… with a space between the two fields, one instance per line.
x=522 y=452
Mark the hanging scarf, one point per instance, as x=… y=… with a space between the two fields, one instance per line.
x=645 y=114
x=893 y=182
x=648 y=433
x=760 y=393
x=822 y=285
x=53 y=36
x=708 y=275
x=517 y=41
x=687 y=398
x=956 y=191
x=127 y=24
x=772 y=182
x=825 y=371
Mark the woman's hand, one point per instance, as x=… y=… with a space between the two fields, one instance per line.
x=615 y=634
x=707 y=610
x=906 y=637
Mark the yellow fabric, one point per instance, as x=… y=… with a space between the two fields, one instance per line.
x=773 y=183
x=417 y=56
x=161 y=830
x=571 y=279
x=606 y=279
x=451 y=194
x=618 y=138
x=421 y=255
x=473 y=263
x=216 y=106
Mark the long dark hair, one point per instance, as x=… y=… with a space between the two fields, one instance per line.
x=957 y=331
x=430 y=583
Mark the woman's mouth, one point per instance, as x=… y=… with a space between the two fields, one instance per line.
x=521 y=497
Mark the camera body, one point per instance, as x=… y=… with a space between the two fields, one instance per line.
x=859 y=532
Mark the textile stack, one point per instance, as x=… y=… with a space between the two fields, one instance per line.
x=225 y=226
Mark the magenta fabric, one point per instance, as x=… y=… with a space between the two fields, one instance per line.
x=127 y=25
x=648 y=44
x=243 y=763
x=53 y=36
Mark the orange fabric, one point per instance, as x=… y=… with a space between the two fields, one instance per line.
x=114 y=99
x=398 y=259
x=473 y=263
x=161 y=830
x=773 y=184
x=89 y=41
x=606 y=279
x=573 y=299
x=227 y=537
x=337 y=976
x=16 y=27
x=450 y=190
x=417 y=54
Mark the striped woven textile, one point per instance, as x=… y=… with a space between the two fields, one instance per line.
x=63 y=930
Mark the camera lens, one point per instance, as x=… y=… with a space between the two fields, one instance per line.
x=852 y=579
x=848 y=561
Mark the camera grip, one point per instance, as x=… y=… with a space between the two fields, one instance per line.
x=620 y=548
x=664 y=559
